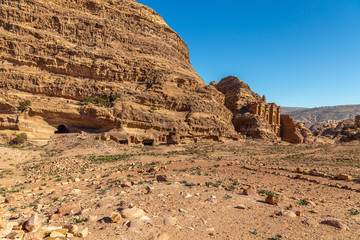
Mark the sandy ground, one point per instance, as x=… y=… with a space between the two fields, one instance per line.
x=202 y=197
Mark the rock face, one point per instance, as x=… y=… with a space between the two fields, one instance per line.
x=251 y=114
x=343 y=131
x=99 y=66
x=357 y=122
x=294 y=132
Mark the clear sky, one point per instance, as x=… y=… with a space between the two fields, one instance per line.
x=299 y=53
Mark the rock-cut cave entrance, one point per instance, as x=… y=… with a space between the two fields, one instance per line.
x=62 y=129
x=148 y=142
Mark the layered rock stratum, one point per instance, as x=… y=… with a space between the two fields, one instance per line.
x=102 y=65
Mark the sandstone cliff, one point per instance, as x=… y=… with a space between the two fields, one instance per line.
x=251 y=114
x=99 y=66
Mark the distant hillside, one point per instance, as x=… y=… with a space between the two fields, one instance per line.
x=323 y=114
x=287 y=110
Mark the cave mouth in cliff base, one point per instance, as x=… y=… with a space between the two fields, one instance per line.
x=148 y=142
x=62 y=129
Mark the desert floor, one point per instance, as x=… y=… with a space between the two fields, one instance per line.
x=84 y=187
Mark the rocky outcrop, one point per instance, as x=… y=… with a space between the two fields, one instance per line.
x=237 y=94
x=294 y=132
x=343 y=131
x=357 y=122
x=251 y=114
x=100 y=66
x=254 y=126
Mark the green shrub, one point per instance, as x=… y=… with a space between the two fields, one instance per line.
x=95 y=100
x=20 y=139
x=113 y=97
x=24 y=105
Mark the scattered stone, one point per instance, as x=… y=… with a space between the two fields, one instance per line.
x=115 y=217
x=75 y=191
x=300 y=213
x=10 y=199
x=289 y=213
x=149 y=189
x=56 y=234
x=188 y=195
x=82 y=233
x=335 y=223
x=34 y=223
x=77 y=180
x=344 y=177
x=134 y=224
x=71 y=208
x=249 y=192
x=170 y=221
x=15 y=234
x=5 y=229
x=272 y=199
x=32 y=236
x=240 y=206
x=54 y=217
x=72 y=228
x=182 y=210
x=132 y=213
x=310 y=222
x=161 y=178
x=50 y=229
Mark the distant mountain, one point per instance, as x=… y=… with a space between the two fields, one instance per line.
x=288 y=110
x=323 y=114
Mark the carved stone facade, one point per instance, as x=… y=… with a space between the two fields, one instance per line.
x=270 y=111
x=357 y=122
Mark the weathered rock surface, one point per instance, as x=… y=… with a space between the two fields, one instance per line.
x=343 y=131
x=251 y=114
x=294 y=132
x=34 y=223
x=131 y=69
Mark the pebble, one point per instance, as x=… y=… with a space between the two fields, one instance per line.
x=115 y=217
x=170 y=221
x=272 y=199
x=188 y=195
x=71 y=208
x=240 y=206
x=182 y=210
x=335 y=223
x=249 y=192
x=10 y=199
x=132 y=213
x=289 y=213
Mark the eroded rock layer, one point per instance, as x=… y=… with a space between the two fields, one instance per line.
x=99 y=66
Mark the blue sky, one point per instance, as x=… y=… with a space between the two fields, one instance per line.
x=300 y=53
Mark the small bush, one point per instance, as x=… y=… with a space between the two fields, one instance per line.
x=303 y=202
x=20 y=139
x=95 y=100
x=354 y=211
x=24 y=105
x=113 y=97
